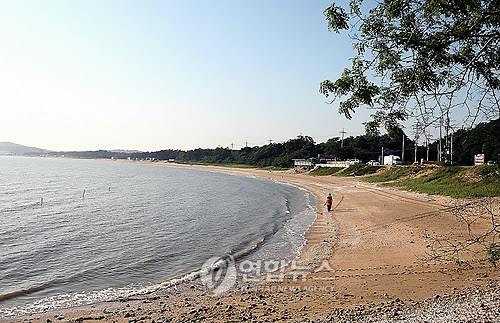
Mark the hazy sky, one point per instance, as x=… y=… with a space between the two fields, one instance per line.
x=167 y=74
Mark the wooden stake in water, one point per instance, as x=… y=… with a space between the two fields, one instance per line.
x=83 y=195
x=41 y=201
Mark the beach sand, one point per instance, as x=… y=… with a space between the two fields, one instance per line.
x=367 y=255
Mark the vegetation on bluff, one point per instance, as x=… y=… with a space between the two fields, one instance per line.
x=454 y=181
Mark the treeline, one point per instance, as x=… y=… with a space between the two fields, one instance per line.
x=365 y=147
x=483 y=138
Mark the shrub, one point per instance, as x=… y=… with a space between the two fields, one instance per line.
x=493 y=252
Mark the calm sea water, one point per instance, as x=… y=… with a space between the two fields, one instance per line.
x=137 y=226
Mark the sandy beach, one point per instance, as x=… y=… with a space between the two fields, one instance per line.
x=365 y=260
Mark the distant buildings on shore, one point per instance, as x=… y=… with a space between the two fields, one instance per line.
x=333 y=162
x=389 y=160
x=140 y=159
x=324 y=162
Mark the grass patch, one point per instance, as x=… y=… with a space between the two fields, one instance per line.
x=450 y=181
x=325 y=171
x=393 y=174
x=358 y=170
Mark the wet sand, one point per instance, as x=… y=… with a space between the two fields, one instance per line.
x=368 y=253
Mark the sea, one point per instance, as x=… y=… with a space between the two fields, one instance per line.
x=77 y=232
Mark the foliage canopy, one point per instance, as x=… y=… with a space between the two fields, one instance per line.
x=419 y=59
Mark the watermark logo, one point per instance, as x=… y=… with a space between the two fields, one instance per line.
x=218 y=274
x=221 y=274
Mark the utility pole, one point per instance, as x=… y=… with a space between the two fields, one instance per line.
x=447 y=129
x=417 y=126
x=451 y=149
x=246 y=143
x=403 y=150
x=450 y=130
x=428 y=138
x=232 y=146
x=270 y=141
x=416 y=145
x=427 y=147
x=382 y=159
x=440 y=151
x=342 y=141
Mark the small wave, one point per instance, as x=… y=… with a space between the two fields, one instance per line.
x=28 y=290
x=198 y=272
x=287 y=206
x=71 y=300
x=252 y=247
x=20 y=292
x=21 y=207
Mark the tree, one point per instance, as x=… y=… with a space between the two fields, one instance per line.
x=372 y=129
x=418 y=58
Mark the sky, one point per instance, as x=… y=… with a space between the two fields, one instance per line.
x=150 y=75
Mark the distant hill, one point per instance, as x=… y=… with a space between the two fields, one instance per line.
x=13 y=149
x=10 y=148
x=125 y=151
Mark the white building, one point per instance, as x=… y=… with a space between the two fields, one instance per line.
x=338 y=163
x=392 y=160
x=373 y=163
x=303 y=162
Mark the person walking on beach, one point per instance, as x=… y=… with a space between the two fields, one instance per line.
x=329 y=202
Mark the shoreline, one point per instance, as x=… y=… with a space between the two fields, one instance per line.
x=373 y=253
